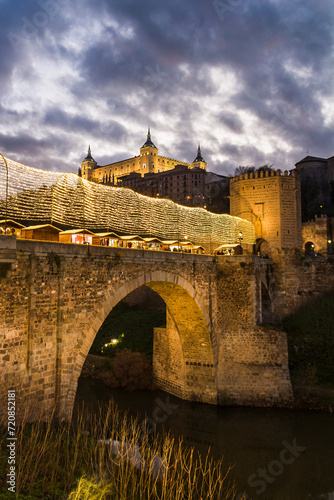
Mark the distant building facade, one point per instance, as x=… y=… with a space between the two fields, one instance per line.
x=148 y=162
x=317 y=178
x=193 y=187
x=318 y=235
x=182 y=184
x=318 y=169
x=154 y=175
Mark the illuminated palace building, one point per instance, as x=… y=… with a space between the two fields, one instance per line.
x=153 y=175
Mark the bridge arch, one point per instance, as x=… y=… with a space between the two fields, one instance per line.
x=183 y=361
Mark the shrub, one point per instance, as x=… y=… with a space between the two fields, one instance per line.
x=72 y=461
x=130 y=370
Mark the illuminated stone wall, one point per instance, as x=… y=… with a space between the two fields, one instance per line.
x=148 y=161
x=53 y=303
x=318 y=232
x=58 y=295
x=271 y=201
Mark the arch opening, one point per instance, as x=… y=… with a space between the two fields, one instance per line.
x=121 y=354
x=261 y=247
x=309 y=248
x=183 y=354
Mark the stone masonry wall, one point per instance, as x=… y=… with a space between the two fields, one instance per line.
x=318 y=232
x=58 y=296
x=253 y=361
x=168 y=363
x=294 y=281
x=54 y=302
x=272 y=202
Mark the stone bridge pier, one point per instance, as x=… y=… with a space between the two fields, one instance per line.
x=54 y=297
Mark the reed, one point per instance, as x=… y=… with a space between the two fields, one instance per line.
x=71 y=461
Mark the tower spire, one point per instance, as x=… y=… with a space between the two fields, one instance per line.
x=199 y=154
x=148 y=142
x=89 y=155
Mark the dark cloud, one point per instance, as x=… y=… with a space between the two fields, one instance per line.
x=232 y=121
x=58 y=118
x=100 y=72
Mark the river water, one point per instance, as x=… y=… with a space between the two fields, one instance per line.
x=277 y=454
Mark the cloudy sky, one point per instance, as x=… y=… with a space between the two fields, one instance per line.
x=252 y=81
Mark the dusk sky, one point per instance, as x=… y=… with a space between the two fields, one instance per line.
x=252 y=81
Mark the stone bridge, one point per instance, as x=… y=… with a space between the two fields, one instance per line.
x=54 y=297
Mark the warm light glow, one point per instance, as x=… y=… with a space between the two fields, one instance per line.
x=69 y=200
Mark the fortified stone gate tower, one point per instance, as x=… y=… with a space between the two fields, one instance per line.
x=272 y=202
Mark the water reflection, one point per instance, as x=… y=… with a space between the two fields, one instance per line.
x=278 y=454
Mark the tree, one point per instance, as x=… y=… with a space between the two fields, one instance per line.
x=252 y=169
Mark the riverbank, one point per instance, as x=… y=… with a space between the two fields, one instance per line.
x=314 y=398
x=107 y=456
x=126 y=369
x=307 y=397
x=249 y=439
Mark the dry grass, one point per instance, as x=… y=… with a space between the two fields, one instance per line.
x=60 y=461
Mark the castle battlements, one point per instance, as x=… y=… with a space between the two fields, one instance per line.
x=263 y=174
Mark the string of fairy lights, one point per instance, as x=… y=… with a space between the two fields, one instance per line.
x=68 y=200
